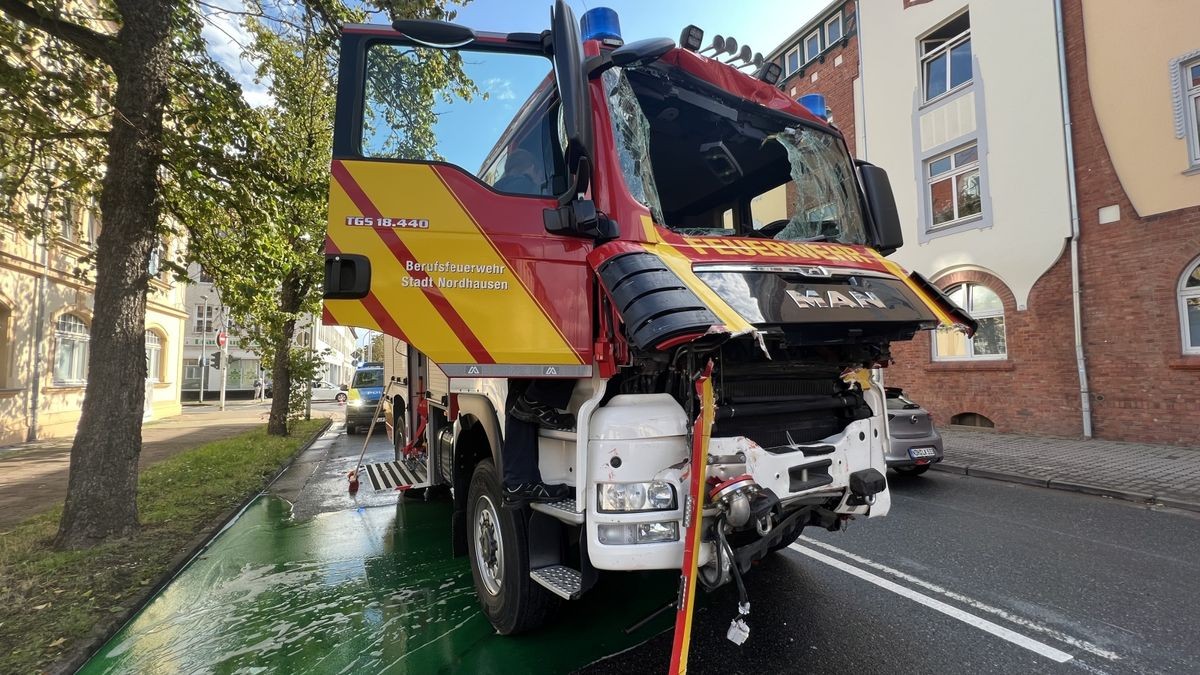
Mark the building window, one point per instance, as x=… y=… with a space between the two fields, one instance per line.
x=203 y=319
x=68 y=229
x=71 y=350
x=5 y=343
x=833 y=29
x=812 y=46
x=792 y=61
x=192 y=371
x=946 y=57
x=1191 y=108
x=952 y=186
x=985 y=306
x=153 y=357
x=205 y=277
x=1189 y=308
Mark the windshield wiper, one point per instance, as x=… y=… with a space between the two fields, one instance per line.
x=820 y=238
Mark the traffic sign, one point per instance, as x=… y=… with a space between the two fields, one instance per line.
x=222 y=338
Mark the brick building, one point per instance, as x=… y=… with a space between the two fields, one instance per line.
x=982 y=141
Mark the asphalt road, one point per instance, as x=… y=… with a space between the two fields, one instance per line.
x=966 y=575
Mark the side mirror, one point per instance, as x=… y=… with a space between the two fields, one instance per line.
x=576 y=101
x=883 y=225
x=344 y=387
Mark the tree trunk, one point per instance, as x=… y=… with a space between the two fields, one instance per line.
x=102 y=490
x=281 y=369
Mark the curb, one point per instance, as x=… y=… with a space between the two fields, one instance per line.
x=1144 y=498
x=73 y=662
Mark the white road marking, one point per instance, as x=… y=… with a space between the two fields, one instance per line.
x=999 y=631
x=958 y=597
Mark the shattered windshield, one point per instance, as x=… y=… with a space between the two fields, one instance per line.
x=704 y=168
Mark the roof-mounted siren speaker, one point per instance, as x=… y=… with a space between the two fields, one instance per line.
x=691 y=37
x=717 y=46
x=744 y=54
x=601 y=23
x=755 y=63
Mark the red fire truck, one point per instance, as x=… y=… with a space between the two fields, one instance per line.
x=633 y=254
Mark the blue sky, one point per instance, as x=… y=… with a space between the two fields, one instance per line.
x=468 y=135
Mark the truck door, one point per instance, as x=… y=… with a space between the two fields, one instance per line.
x=437 y=198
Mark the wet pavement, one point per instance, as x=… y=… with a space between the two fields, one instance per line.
x=966 y=575
x=328 y=583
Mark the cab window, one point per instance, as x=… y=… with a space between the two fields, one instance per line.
x=499 y=127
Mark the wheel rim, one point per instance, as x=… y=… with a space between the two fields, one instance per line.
x=489 y=548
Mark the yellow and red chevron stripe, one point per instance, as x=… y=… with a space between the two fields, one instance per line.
x=501 y=323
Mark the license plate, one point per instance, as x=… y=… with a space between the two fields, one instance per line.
x=922 y=452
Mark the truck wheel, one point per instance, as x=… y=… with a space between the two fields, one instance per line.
x=788 y=540
x=911 y=470
x=497 y=546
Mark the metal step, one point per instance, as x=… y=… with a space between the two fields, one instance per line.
x=560 y=580
x=564 y=510
x=402 y=475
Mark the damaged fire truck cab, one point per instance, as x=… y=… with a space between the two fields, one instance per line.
x=646 y=241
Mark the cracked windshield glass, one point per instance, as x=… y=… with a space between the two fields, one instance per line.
x=758 y=176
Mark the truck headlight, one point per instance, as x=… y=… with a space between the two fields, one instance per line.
x=655 y=495
x=355 y=402
x=638 y=533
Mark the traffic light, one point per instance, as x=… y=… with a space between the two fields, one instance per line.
x=215 y=360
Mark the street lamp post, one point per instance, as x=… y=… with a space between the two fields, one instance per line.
x=203 y=346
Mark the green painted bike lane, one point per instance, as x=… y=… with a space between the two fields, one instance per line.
x=365 y=590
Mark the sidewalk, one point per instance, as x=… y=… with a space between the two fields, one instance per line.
x=33 y=476
x=1137 y=472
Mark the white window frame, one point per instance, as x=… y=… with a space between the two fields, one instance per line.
x=976 y=314
x=817 y=35
x=154 y=352
x=934 y=54
x=1191 y=111
x=76 y=331
x=952 y=175
x=787 y=69
x=837 y=16
x=1184 y=294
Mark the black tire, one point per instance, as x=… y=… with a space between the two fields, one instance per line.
x=350 y=429
x=516 y=603
x=787 y=540
x=911 y=470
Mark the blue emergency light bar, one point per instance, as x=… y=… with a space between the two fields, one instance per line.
x=815 y=104
x=601 y=23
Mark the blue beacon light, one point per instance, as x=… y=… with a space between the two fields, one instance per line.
x=815 y=104
x=601 y=23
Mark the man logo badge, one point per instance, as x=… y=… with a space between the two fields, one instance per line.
x=833 y=299
x=473 y=370
x=551 y=370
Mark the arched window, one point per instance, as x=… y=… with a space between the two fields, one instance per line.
x=1189 y=308
x=985 y=306
x=154 y=362
x=71 y=350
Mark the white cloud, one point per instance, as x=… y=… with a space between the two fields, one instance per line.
x=227 y=39
x=499 y=88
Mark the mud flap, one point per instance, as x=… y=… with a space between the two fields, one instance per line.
x=693 y=507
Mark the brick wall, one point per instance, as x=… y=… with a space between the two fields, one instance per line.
x=835 y=82
x=1143 y=388
x=1035 y=390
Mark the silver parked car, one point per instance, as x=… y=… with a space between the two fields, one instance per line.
x=915 y=443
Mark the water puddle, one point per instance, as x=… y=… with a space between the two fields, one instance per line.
x=363 y=590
